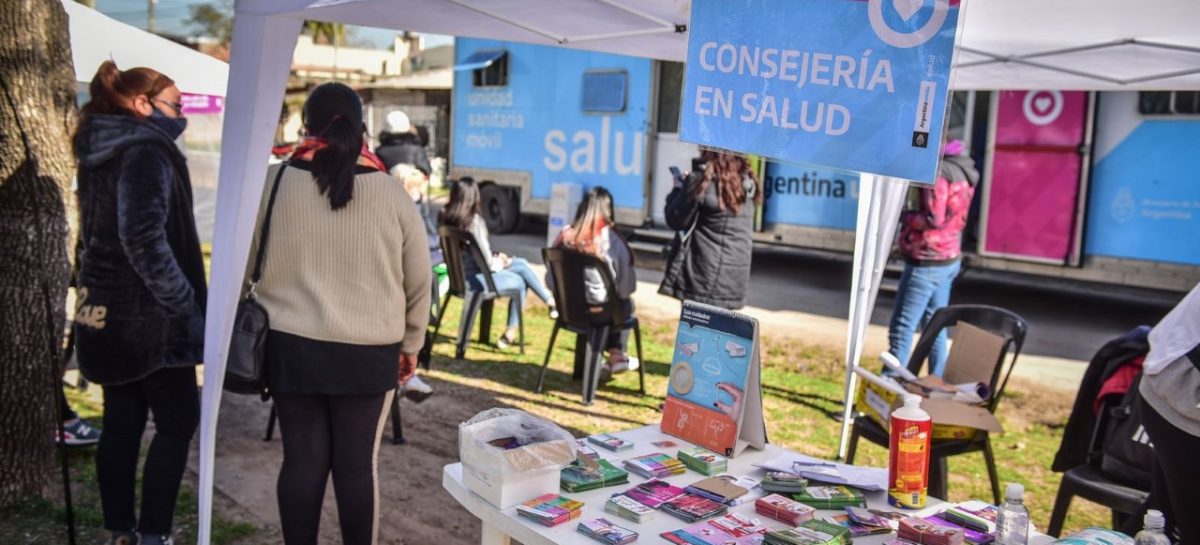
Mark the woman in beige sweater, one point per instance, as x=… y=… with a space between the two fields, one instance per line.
x=346 y=282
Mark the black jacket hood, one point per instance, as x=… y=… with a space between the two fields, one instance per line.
x=102 y=137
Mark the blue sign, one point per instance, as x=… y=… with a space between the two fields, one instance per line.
x=810 y=196
x=536 y=121
x=857 y=85
x=1145 y=198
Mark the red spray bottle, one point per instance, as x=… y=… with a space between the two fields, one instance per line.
x=908 y=454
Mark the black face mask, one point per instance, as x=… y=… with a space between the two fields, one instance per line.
x=173 y=126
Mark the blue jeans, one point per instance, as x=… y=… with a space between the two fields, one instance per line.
x=517 y=277
x=923 y=290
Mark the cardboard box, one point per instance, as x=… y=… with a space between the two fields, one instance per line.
x=973 y=358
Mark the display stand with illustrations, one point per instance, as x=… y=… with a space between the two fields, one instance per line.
x=714 y=393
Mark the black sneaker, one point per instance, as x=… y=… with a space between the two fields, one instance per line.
x=154 y=539
x=124 y=538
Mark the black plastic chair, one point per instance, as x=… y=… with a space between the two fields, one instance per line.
x=397 y=423
x=457 y=245
x=591 y=324
x=1088 y=481
x=994 y=319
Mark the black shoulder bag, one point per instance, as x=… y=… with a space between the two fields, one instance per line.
x=246 y=366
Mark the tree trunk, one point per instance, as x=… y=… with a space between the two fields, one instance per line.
x=37 y=116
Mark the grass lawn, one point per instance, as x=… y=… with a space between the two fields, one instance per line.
x=38 y=521
x=802 y=395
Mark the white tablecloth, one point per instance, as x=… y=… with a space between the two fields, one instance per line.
x=499 y=525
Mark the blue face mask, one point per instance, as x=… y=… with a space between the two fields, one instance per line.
x=173 y=126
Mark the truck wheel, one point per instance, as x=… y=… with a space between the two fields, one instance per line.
x=500 y=208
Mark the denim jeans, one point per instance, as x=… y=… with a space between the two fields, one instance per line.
x=517 y=276
x=923 y=290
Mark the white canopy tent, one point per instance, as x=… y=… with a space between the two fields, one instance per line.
x=96 y=38
x=1006 y=44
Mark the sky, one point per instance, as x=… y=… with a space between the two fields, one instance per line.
x=170 y=16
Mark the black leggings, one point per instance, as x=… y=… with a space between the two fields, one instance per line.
x=324 y=433
x=1175 y=489
x=171 y=395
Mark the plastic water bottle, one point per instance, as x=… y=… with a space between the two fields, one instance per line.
x=1153 y=531
x=1012 y=523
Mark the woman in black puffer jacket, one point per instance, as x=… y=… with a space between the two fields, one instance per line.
x=716 y=206
x=139 y=320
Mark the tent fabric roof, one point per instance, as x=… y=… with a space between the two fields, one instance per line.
x=1006 y=44
x=96 y=38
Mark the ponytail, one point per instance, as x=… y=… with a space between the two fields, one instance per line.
x=112 y=89
x=334 y=164
x=333 y=113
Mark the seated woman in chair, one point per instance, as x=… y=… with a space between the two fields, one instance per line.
x=463 y=212
x=593 y=232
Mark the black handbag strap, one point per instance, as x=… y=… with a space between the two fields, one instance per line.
x=265 y=231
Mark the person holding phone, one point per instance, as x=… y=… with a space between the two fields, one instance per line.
x=713 y=210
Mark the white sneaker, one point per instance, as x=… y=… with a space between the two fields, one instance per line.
x=416 y=389
x=621 y=365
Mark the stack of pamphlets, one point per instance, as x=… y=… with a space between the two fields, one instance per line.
x=579 y=477
x=970 y=535
x=550 y=509
x=584 y=451
x=1095 y=536
x=655 y=466
x=605 y=531
x=727 y=489
x=704 y=461
x=977 y=518
x=610 y=442
x=707 y=534
x=737 y=525
x=861 y=522
x=813 y=532
x=629 y=509
x=782 y=481
x=925 y=532
x=784 y=510
x=728 y=529
x=830 y=497
x=654 y=493
x=693 y=508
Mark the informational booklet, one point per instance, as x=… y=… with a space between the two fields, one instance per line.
x=605 y=531
x=714 y=395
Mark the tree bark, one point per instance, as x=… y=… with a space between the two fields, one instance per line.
x=37 y=117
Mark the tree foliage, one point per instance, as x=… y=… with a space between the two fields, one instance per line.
x=213 y=20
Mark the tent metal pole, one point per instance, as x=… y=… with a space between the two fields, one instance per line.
x=510 y=20
x=619 y=34
x=864 y=252
x=1168 y=75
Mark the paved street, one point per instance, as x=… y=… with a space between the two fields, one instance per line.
x=807 y=296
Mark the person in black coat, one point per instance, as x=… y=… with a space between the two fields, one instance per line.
x=399 y=145
x=713 y=208
x=139 y=320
